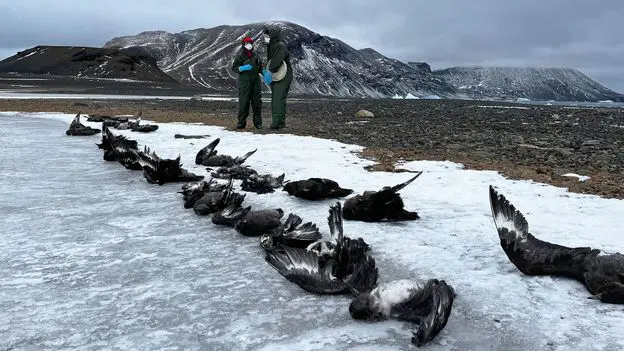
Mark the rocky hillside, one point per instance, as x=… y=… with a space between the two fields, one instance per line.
x=560 y=84
x=322 y=65
x=86 y=62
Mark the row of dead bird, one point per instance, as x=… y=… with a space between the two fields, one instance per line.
x=343 y=265
x=117 y=122
x=297 y=250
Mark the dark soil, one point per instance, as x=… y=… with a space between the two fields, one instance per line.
x=530 y=142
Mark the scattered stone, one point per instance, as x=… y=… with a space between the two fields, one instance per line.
x=517 y=139
x=364 y=113
x=591 y=143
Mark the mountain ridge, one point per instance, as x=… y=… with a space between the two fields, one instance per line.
x=90 y=62
x=534 y=83
x=322 y=65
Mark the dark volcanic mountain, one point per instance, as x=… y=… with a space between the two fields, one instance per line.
x=562 y=84
x=86 y=62
x=322 y=65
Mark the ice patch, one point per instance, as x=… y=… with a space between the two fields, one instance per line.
x=432 y=97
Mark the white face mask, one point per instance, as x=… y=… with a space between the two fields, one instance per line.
x=248 y=46
x=267 y=38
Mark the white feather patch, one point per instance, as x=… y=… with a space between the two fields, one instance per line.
x=395 y=292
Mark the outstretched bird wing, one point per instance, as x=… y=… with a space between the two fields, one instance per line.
x=295 y=230
x=302 y=268
x=239 y=160
x=335 y=222
x=401 y=186
x=207 y=151
x=530 y=255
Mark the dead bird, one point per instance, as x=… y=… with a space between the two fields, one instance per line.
x=262 y=184
x=316 y=189
x=208 y=156
x=293 y=233
x=348 y=269
x=376 y=206
x=214 y=201
x=233 y=211
x=256 y=223
x=193 y=191
x=124 y=152
x=142 y=128
x=428 y=304
x=601 y=273
x=119 y=141
x=235 y=172
x=160 y=171
x=79 y=129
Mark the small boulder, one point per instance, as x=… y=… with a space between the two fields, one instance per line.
x=364 y=114
x=591 y=143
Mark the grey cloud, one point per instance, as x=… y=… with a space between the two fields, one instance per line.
x=585 y=35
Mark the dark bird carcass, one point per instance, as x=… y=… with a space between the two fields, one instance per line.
x=208 y=156
x=77 y=128
x=602 y=274
x=316 y=189
x=375 y=206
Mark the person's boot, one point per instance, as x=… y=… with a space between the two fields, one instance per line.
x=241 y=125
x=257 y=122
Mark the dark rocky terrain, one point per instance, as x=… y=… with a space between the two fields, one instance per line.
x=522 y=141
x=88 y=62
x=48 y=84
x=559 y=84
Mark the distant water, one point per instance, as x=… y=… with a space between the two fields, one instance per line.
x=575 y=103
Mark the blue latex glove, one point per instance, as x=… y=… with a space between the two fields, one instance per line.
x=267 y=77
x=246 y=67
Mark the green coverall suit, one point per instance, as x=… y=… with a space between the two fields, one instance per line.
x=248 y=89
x=277 y=52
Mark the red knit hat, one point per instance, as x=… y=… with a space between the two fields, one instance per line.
x=247 y=40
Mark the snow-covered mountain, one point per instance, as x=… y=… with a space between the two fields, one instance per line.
x=322 y=65
x=561 y=84
x=86 y=62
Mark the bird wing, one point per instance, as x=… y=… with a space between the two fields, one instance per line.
x=207 y=151
x=239 y=160
x=440 y=303
x=400 y=187
x=335 y=221
x=302 y=268
x=530 y=255
x=295 y=230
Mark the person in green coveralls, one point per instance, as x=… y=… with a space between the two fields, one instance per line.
x=277 y=52
x=248 y=67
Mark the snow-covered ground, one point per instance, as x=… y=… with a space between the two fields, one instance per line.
x=95 y=257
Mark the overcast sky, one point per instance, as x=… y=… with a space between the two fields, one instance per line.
x=567 y=33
